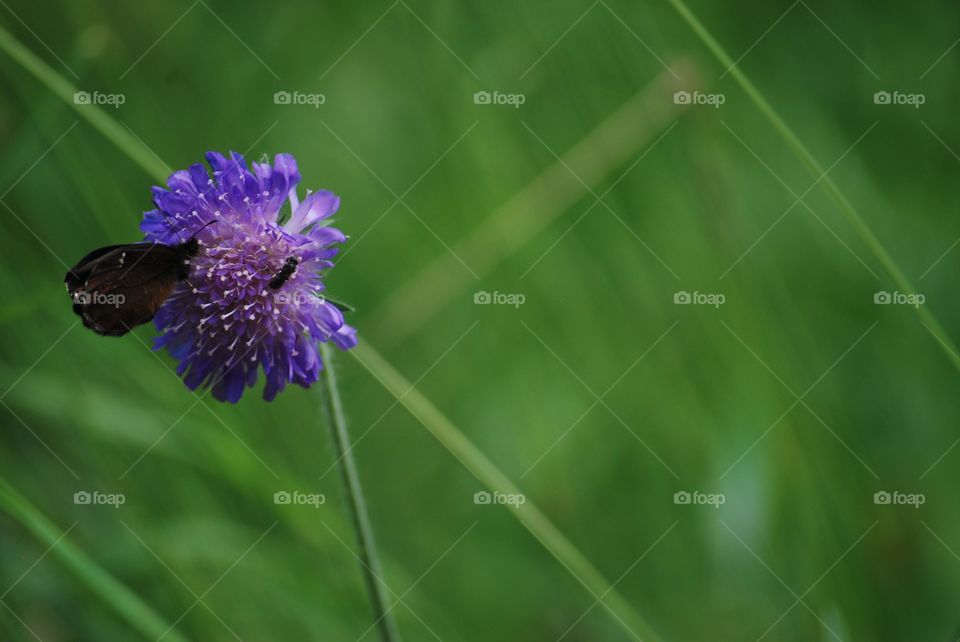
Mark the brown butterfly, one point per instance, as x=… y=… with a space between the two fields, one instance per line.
x=119 y=287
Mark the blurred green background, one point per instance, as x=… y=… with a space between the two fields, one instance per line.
x=694 y=199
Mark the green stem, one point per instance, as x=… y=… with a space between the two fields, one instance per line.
x=369 y=559
x=115 y=594
x=832 y=189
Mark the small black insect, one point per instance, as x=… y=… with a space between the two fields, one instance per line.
x=286 y=271
x=119 y=287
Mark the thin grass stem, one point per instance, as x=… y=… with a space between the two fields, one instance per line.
x=356 y=502
x=833 y=190
x=60 y=86
x=116 y=595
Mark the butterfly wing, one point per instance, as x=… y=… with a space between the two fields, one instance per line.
x=79 y=273
x=118 y=287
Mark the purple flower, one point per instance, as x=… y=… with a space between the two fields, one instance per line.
x=230 y=318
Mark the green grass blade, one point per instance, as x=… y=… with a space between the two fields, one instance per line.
x=818 y=172
x=491 y=476
x=92 y=113
x=634 y=128
x=115 y=594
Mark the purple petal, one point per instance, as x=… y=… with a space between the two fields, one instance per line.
x=316 y=206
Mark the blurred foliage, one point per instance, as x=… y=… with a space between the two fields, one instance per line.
x=712 y=406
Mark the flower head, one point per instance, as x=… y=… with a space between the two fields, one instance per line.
x=254 y=295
